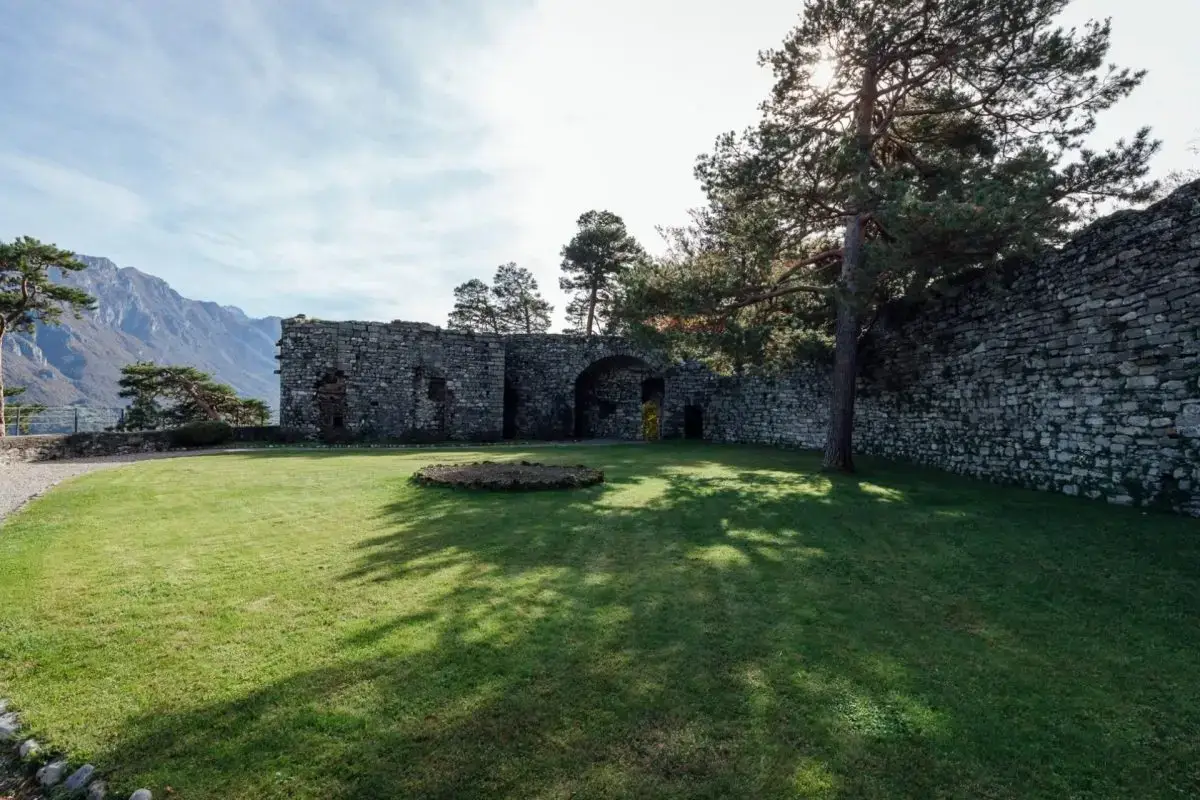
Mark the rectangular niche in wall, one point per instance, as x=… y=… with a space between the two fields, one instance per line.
x=693 y=422
x=439 y=396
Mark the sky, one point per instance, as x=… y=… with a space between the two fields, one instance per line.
x=357 y=159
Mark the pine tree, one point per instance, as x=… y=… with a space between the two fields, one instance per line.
x=511 y=304
x=519 y=305
x=167 y=396
x=29 y=295
x=948 y=139
x=254 y=412
x=474 y=309
x=593 y=263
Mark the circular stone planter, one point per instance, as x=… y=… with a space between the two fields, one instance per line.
x=508 y=476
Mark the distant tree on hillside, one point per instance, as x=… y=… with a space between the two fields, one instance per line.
x=592 y=265
x=511 y=304
x=163 y=396
x=28 y=295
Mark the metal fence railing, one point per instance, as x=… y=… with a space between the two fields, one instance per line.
x=31 y=421
x=34 y=420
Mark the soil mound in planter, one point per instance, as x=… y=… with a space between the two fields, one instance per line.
x=510 y=476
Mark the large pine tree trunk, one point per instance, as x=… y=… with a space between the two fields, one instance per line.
x=591 y=311
x=3 y=421
x=839 y=445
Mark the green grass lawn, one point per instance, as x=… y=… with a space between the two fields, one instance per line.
x=712 y=622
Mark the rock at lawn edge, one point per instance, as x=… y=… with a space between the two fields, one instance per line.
x=79 y=778
x=97 y=791
x=141 y=794
x=52 y=773
x=28 y=748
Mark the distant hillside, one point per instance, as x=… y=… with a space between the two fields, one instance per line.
x=141 y=318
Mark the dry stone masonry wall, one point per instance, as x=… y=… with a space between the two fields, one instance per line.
x=398 y=381
x=1079 y=374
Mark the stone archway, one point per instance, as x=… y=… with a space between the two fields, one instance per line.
x=609 y=394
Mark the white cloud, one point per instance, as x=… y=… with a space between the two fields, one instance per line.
x=74 y=190
x=362 y=158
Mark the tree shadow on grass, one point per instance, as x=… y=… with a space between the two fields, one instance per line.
x=710 y=625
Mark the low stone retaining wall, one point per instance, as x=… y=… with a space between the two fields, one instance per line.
x=80 y=445
x=100 y=444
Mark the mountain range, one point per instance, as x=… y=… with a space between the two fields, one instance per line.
x=138 y=318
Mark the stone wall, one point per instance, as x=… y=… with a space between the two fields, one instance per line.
x=790 y=410
x=100 y=444
x=543 y=372
x=396 y=381
x=1080 y=374
x=81 y=445
x=610 y=400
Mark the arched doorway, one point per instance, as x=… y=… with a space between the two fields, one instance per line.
x=609 y=395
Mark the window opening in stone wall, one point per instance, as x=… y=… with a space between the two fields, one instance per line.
x=437 y=390
x=652 y=389
x=693 y=422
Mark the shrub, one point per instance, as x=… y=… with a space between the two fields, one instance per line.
x=208 y=433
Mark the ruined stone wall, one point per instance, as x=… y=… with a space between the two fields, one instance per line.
x=542 y=371
x=390 y=381
x=614 y=408
x=1081 y=375
x=788 y=410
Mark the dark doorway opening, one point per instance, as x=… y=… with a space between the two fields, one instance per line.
x=331 y=406
x=693 y=422
x=510 y=412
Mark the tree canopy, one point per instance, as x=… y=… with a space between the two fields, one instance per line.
x=511 y=304
x=167 y=396
x=593 y=264
x=904 y=143
x=29 y=293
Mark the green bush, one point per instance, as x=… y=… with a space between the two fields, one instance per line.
x=208 y=433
